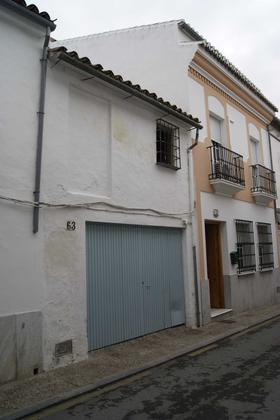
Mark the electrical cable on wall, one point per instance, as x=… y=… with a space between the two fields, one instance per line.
x=92 y=206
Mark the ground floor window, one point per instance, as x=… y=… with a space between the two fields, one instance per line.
x=266 y=258
x=245 y=246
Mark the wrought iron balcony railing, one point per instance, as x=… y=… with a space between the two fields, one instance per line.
x=226 y=164
x=263 y=180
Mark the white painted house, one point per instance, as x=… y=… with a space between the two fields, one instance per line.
x=235 y=186
x=101 y=249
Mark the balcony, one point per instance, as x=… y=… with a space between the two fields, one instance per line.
x=264 y=185
x=227 y=170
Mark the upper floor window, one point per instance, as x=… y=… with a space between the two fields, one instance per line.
x=168 y=145
x=217 y=129
x=255 y=150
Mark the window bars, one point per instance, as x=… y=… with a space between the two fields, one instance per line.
x=226 y=164
x=168 y=145
x=266 y=257
x=263 y=180
x=245 y=246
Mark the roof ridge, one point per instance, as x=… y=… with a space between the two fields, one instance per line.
x=207 y=46
x=122 y=30
x=226 y=63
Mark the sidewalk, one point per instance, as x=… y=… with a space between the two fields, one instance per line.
x=20 y=398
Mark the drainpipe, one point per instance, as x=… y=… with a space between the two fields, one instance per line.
x=271 y=165
x=41 y=115
x=196 y=277
x=195 y=141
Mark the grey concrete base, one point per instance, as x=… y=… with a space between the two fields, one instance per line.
x=205 y=301
x=252 y=290
x=245 y=292
x=8 y=354
x=20 y=346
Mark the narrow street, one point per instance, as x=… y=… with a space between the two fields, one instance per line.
x=238 y=378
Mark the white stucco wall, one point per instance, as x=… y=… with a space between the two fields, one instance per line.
x=238 y=132
x=98 y=147
x=254 y=132
x=21 y=280
x=275 y=147
x=155 y=56
x=229 y=210
x=215 y=107
x=198 y=107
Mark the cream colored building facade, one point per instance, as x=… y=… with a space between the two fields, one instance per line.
x=235 y=191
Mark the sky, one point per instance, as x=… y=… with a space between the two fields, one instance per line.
x=247 y=32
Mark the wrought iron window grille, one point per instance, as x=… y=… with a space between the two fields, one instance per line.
x=278 y=216
x=168 y=145
x=245 y=246
x=226 y=164
x=263 y=180
x=265 y=245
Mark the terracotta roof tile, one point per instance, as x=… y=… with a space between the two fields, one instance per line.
x=63 y=53
x=34 y=9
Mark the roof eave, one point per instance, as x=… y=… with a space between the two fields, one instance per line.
x=62 y=55
x=188 y=30
x=275 y=123
x=25 y=12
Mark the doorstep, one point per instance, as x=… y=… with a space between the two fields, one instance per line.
x=215 y=312
x=105 y=366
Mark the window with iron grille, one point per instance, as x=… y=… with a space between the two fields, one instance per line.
x=168 y=145
x=245 y=246
x=266 y=258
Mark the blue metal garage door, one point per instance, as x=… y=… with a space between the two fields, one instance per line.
x=134 y=281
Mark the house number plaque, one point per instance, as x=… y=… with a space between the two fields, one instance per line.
x=71 y=225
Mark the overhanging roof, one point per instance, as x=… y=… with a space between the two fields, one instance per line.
x=29 y=11
x=84 y=63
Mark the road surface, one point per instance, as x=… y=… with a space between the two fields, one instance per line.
x=236 y=379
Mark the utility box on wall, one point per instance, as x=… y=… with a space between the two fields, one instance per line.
x=234 y=257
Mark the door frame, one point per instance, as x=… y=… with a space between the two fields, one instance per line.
x=216 y=287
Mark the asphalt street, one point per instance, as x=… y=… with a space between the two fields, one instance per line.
x=238 y=378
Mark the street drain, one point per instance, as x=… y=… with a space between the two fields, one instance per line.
x=227 y=321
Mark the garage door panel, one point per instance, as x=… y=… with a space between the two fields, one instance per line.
x=113 y=299
x=131 y=275
x=132 y=290
x=156 y=286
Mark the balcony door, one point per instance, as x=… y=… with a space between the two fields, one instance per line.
x=214 y=265
x=255 y=149
x=217 y=129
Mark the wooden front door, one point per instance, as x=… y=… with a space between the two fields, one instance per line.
x=214 y=265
